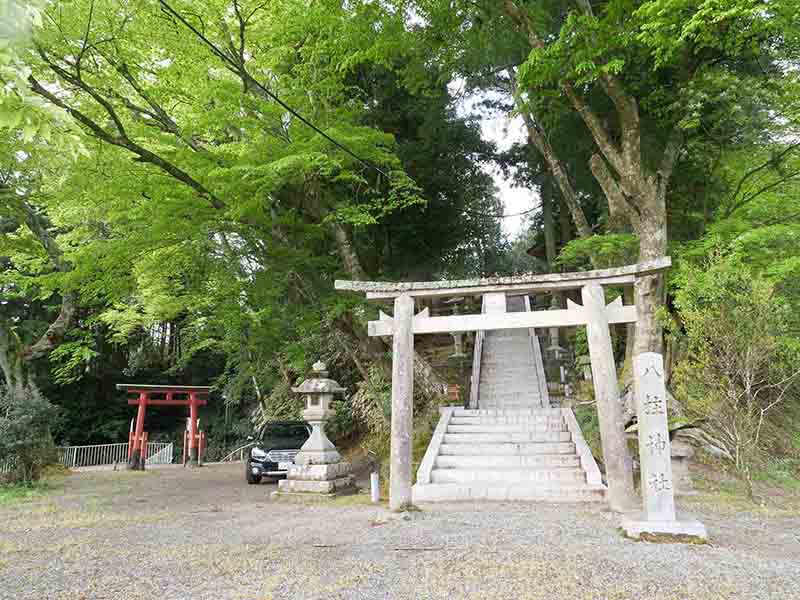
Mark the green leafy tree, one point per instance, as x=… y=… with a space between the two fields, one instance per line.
x=26 y=446
x=741 y=355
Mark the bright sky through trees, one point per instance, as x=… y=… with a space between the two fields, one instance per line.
x=499 y=128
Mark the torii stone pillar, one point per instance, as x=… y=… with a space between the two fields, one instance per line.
x=402 y=403
x=606 y=392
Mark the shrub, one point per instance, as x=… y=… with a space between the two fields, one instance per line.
x=741 y=359
x=26 y=446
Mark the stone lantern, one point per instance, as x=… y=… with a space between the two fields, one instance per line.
x=318 y=469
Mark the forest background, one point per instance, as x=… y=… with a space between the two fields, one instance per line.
x=181 y=183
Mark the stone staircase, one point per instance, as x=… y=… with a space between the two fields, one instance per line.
x=514 y=446
x=508 y=378
x=501 y=454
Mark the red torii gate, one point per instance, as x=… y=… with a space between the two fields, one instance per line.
x=162 y=395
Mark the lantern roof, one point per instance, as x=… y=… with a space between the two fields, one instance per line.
x=319 y=384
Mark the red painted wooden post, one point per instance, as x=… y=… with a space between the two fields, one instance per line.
x=185 y=453
x=136 y=461
x=202 y=449
x=192 y=429
x=144 y=450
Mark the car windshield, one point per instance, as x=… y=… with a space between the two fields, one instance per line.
x=284 y=434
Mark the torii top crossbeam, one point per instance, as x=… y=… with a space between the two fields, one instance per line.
x=519 y=284
x=166 y=395
x=573 y=315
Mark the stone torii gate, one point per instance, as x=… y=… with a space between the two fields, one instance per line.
x=595 y=314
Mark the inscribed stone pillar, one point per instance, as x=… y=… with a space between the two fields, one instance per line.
x=606 y=392
x=402 y=403
x=658 y=517
x=654 y=448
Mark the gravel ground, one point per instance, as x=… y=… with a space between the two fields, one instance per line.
x=204 y=534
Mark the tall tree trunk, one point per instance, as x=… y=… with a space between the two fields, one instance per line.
x=649 y=289
x=344 y=244
x=11 y=364
x=538 y=138
x=15 y=361
x=549 y=225
x=632 y=190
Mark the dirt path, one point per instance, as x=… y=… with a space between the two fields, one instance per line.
x=206 y=535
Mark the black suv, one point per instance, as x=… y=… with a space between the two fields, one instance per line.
x=276 y=445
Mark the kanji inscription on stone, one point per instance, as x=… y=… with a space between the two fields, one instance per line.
x=656 y=444
x=659 y=482
x=653 y=404
x=654 y=447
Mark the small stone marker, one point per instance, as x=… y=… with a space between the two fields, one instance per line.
x=319 y=471
x=658 y=490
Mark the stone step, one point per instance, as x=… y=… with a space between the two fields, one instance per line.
x=531 y=390
x=518 y=360
x=506 y=394
x=520 y=461
x=505 y=438
x=507 y=428
x=488 y=490
x=520 y=402
x=511 y=365
x=506 y=372
x=510 y=335
x=493 y=412
x=504 y=400
x=509 y=419
x=511 y=350
x=516 y=383
x=510 y=402
x=519 y=355
x=512 y=379
x=508 y=475
x=523 y=398
x=508 y=405
x=506 y=343
x=506 y=449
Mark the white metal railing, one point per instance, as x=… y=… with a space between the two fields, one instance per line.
x=108 y=454
x=477 y=354
x=7 y=466
x=160 y=457
x=538 y=363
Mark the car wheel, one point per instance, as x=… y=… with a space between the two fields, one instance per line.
x=248 y=475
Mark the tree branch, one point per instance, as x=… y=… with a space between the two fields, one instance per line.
x=39 y=227
x=619 y=208
x=773 y=161
x=601 y=137
x=123 y=141
x=628 y=113
x=668 y=158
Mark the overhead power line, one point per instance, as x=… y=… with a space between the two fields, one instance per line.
x=478 y=213
x=241 y=69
